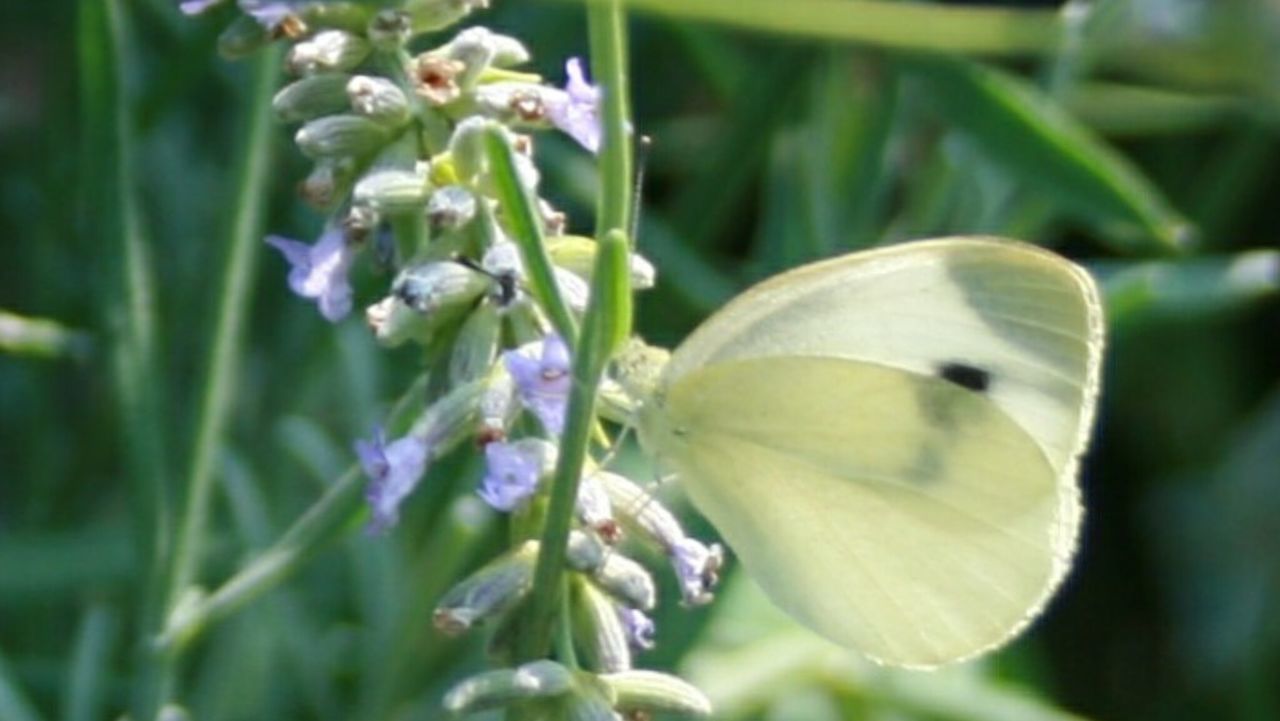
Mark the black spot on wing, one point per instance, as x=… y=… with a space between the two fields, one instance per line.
x=966 y=376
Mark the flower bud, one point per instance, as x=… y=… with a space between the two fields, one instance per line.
x=652 y=691
x=451 y=419
x=311 y=97
x=493 y=689
x=243 y=37
x=450 y=208
x=501 y=51
x=578 y=254
x=328 y=51
x=498 y=406
x=627 y=581
x=378 y=99
x=639 y=510
x=476 y=347
x=598 y=628
x=340 y=136
x=390 y=29
x=489 y=592
x=427 y=16
x=434 y=288
x=392 y=191
x=584 y=552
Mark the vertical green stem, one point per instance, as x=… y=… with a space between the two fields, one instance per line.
x=606 y=24
x=608 y=318
x=158 y=676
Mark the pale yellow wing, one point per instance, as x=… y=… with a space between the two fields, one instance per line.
x=1026 y=321
x=889 y=439
x=899 y=515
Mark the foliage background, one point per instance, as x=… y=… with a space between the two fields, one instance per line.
x=769 y=150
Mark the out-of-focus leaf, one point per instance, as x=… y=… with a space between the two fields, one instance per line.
x=1188 y=288
x=90 y=665
x=1215 y=533
x=59 y=563
x=916 y=26
x=39 y=337
x=1049 y=150
x=1120 y=109
x=757 y=655
x=14 y=704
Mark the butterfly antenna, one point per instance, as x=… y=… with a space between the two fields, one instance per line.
x=643 y=145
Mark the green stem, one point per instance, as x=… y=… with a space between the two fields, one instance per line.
x=321 y=524
x=160 y=667
x=526 y=229
x=607 y=30
x=606 y=323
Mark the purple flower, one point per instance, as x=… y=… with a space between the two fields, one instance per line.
x=268 y=14
x=394 y=469
x=320 y=271
x=512 y=471
x=639 y=627
x=698 y=568
x=541 y=372
x=576 y=109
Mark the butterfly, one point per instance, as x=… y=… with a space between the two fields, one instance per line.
x=890 y=440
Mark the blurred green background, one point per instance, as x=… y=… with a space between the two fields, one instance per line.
x=1139 y=137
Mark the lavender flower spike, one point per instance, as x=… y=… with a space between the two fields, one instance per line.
x=576 y=109
x=541 y=372
x=698 y=568
x=320 y=271
x=394 y=469
x=512 y=471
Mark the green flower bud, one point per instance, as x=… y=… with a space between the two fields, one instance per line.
x=311 y=97
x=243 y=37
x=340 y=136
x=451 y=419
x=390 y=29
x=433 y=288
x=393 y=191
x=498 y=406
x=639 y=511
x=627 y=581
x=476 y=347
x=584 y=552
x=651 y=691
x=598 y=628
x=450 y=207
x=328 y=182
x=427 y=16
x=498 y=50
x=378 y=99
x=493 y=689
x=578 y=254
x=328 y=51
x=489 y=592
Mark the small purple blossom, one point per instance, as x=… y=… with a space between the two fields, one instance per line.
x=639 y=627
x=268 y=14
x=541 y=372
x=697 y=567
x=576 y=109
x=511 y=472
x=320 y=271
x=394 y=469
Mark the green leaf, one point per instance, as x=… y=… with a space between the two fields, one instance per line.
x=1189 y=288
x=1025 y=131
x=917 y=26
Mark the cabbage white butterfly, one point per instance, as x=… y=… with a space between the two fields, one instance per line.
x=889 y=440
